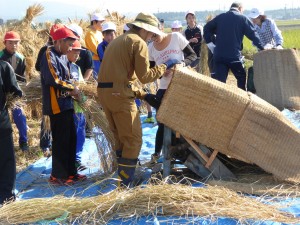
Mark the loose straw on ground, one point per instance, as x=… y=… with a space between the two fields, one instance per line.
x=162 y=199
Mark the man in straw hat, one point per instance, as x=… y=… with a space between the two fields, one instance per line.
x=8 y=84
x=230 y=28
x=57 y=93
x=126 y=61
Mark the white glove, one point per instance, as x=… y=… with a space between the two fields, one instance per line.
x=268 y=46
x=211 y=47
x=279 y=47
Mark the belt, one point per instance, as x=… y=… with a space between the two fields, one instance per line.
x=105 y=84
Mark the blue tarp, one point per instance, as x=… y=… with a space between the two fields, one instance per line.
x=33 y=183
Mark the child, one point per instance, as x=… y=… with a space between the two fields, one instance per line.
x=109 y=34
x=79 y=118
x=8 y=84
x=193 y=34
x=17 y=61
x=176 y=26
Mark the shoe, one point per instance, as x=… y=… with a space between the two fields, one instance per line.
x=153 y=160
x=79 y=166
x=78 y=177
x=47 y=152
x=24 y=146
x=56 y=181
x=149 y=120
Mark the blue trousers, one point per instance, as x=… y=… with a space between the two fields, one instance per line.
x=96 y=68
x=79 y=120
x=221 y=69
x=20 y=121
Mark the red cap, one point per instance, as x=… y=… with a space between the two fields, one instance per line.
x=62 y=33
x=76 y=45
x=12 y=36
x=54 y=27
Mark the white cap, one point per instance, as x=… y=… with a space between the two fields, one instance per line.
x=126 y=28
x=108 y=26
x=176 y=24
x=75 y=28
x=255 y=12
x=98 y=17
x=189 y=12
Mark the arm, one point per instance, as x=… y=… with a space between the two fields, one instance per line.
x=91 y=43
x=39 y=58
x=276 y=33
x=190 y=55
x=141 y=64
x=209 y=30
x=10 y=82
x=89 y=65
x=100 y=51
x=252 y=34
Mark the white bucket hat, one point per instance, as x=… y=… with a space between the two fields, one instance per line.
x=255 y=12
x=97 y=17
x=176 y=24
x=148 y=22
x=109 y=26
x=75 y=28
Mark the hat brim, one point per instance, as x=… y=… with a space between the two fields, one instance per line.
x=253 y=15
x=146 y=27
x=12 y=39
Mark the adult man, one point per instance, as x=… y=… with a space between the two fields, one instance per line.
x=93 y=38
x=8 y=84
x=230 y=28
x=126 y=60
x=58 y=104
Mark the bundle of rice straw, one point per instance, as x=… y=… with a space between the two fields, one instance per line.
x=162 y=199
x=277 y=77
x=233 y=122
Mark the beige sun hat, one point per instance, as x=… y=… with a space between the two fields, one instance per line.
x=146 y=21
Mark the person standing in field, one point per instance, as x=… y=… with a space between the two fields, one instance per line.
x=8 y=85
x=163 y=48
x=126 y=60
x=11 y=55
x=93 y=38
x=194 y=34
x=230 y=29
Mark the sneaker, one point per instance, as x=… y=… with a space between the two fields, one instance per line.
x=47 y=152
x=24 y=146
x=79 y=166
x=153 y=160
x=56 y=181
x=78 y=177
x=149 y=120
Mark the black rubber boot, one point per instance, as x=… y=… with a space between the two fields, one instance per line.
x=126 y=169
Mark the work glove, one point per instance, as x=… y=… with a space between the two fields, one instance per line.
x=153 y=100
x=141 y=93
x=279 y=47
x=171 y=62
x=211 y=47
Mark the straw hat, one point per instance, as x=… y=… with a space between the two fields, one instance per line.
x=146 y=21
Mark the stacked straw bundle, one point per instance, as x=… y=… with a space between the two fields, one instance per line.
x=277 y=77
x=161 y=199
x=233 y=122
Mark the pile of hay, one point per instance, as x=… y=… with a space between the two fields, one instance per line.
x=161 y=199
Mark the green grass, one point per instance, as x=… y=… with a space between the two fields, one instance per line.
x=287 y=22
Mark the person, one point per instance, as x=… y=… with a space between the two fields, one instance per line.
x=8 y=84
x=176 y=26
x=57 y=92
x=161 y=24
x=109 y=34
x=125 y=28
x=85 y=60
x=79 y=118
x=163 y=48
x=11 y=55
x=193 y=34
x=45 y=135
x=93 y=38
x=269 y=34
x=230 y=28
x=126 y=60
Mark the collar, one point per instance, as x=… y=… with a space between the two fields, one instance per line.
x=234 y=9
x=8 y=53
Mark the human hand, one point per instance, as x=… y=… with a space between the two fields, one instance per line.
x=171 y=62
x=279 y=47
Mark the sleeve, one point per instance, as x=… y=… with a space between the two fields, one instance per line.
x=100 y=51
x=191 y=56
x=209 y=30
x=181 y=40
x=150 y=51
x=89 y=60
x=10 y=82
x=252 y=34
x=276 y=33
x=50 y=73
x=91 y=43
x=141 y=64
x=39 y=58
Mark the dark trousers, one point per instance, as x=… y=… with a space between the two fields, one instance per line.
x=159 y=138
x=63 y=144
x=221 y=69
x=45 y=137
x=7 y=168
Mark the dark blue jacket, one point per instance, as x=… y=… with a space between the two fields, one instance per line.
x=56 y=83
x=230 y=28
x=101 y=49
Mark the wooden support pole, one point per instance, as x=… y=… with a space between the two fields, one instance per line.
x=166 y=151
x=211 y=158
x=197 y=149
